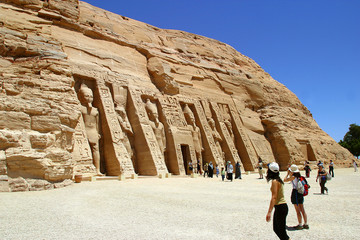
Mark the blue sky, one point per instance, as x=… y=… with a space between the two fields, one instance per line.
x=312 y=47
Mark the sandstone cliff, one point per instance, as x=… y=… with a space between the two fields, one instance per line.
x=85 y=91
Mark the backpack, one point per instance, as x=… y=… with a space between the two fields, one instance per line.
x=305 y=186
x=300 y=187
x=328 y=177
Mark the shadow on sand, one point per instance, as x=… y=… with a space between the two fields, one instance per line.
x=293 y=228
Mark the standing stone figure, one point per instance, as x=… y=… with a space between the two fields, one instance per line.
x=127 y=130
x=156 y=125
x=127 y=136
x=91 y=119
x=217 y=138
x=230 y=130
x=195 y=130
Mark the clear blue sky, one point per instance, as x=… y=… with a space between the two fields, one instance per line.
x=312 y=47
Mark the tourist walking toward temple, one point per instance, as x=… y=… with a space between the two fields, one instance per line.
x=198 y=166
x=217 y=170
x=230 y=170
x=307 y=169
x=277 y=201
x=237 y=171
x=331 y=168
x=222 y=174
x=190 y=168
x=293 y=175
x=260 y=167
x=206 y=167
x=211 y=170
x=322 y=176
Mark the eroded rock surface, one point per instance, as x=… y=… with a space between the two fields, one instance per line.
x=193 y=86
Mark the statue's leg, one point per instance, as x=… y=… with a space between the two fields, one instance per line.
x=96 y=157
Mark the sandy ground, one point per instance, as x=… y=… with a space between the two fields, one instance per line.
x=177 y=208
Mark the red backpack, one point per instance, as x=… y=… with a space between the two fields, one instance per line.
x=306 y=185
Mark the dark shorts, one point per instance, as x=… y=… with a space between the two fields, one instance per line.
x=296 y=197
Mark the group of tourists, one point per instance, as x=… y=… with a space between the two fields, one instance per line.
x=228 y=171
x=278 y=202
x=299 y=184
x=299 y=190
x=209 y=169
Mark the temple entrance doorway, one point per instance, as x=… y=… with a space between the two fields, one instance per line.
x=185 y=151
x=307 y=150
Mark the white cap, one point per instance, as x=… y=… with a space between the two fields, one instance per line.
x=293 y=168
x=274 y=167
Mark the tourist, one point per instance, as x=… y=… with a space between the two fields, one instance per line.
x=277 y=201
x=319 y=163
x=190 y=167
x=238 y=170
x=222 y=174
x=355 y=165
x=217 y=170
x=293 y=175
x=230 y=170
x=260 y=167
x=198 y=167
x=206 y=167
x=307 y=169
x=322 y=175
x=331 y=168
x=211 y=169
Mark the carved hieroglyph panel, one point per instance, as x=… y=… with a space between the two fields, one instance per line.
x=122 y=164
x=139 y=103
x=153 y=147
x=172 y=112
x=208 y=143
x=221 y=114
x=244 y=145
x=82 y=151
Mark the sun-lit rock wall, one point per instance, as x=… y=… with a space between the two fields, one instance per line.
x=85 y=91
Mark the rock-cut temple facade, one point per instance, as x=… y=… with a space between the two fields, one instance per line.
x=85 y=91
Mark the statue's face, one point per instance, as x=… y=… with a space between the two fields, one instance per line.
x=88 y=96
x=192 y=118
x=122 y=112
x=212 y=123
x=155 y=115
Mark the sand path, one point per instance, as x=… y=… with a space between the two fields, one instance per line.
x=177 y=208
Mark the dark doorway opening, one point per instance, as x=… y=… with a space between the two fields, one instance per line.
x=186 y=158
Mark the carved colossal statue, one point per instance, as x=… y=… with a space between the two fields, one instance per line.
x=156 y=125
x=120 y=96
x=216 y=136
x=229 y=128
x=126 y=128
x=195 y=130
x=91 y=119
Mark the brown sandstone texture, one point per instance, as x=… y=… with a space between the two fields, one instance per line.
x=85 y=91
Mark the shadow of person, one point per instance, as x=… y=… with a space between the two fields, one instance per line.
x=293 y=228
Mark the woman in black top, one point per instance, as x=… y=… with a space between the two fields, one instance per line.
x=322 y=175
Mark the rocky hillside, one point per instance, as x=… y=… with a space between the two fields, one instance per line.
x=85 y=91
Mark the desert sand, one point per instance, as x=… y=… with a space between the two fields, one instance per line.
x=177 y=208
